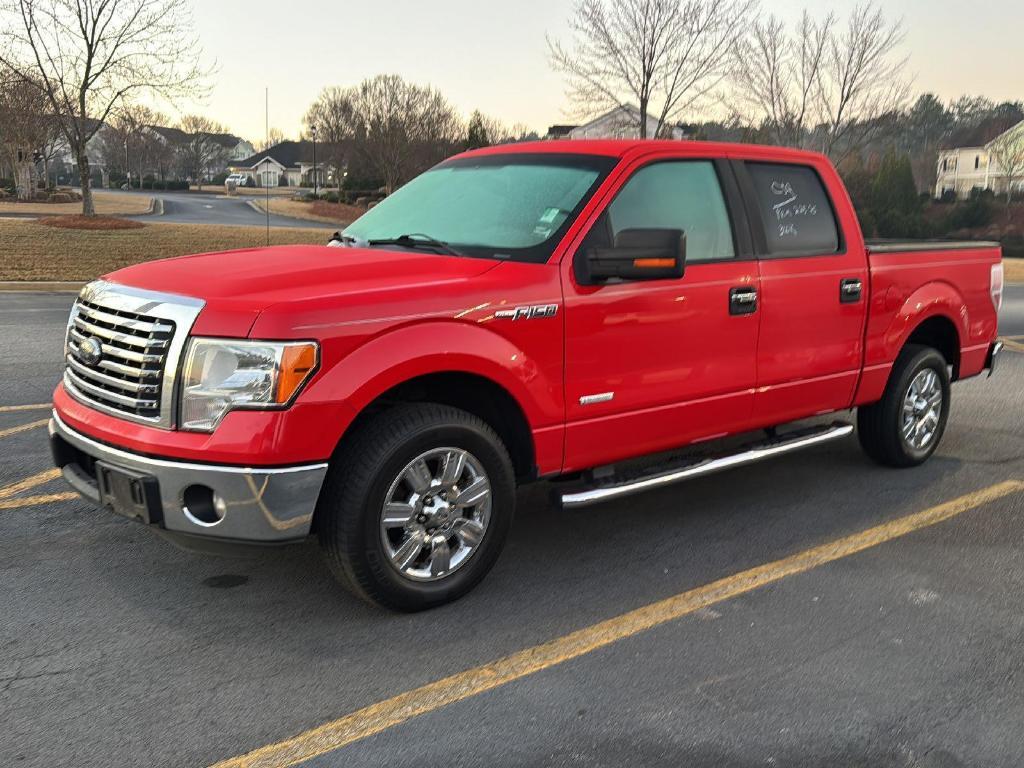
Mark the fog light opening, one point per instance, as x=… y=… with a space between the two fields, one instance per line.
x=202 y=506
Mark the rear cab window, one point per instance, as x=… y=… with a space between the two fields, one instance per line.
x=795 y=208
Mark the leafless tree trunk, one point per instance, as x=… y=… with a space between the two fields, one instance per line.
x=662 y=55
x=90 y=56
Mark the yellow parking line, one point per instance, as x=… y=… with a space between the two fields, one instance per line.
x=23 y=427
x=31 y=501
x=433 y=696
x=1016 y=346
x=29 y=482
x=36 y=407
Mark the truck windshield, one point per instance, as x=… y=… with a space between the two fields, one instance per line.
x=505 y=206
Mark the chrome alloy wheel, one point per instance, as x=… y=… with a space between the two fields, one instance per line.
x=435 y=513
x=922 y=410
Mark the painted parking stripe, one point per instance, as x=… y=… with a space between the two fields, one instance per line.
x=33 y=407
x=33 y=501
x=28 y=483
x=433 y=696
x=23 y=427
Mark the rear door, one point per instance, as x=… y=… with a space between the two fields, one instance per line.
x=814 y=287
x=656 y=364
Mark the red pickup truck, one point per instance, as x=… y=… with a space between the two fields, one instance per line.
x=547 y=310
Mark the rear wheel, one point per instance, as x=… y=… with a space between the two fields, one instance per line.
x=417 y=506
x=904 y=428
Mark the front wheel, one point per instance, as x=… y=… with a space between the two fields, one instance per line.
x=416 y=507
x=904 y=428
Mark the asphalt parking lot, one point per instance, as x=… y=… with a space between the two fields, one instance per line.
x=814 y=645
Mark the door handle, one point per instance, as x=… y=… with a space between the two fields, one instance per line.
x=850 y=290
x=742 y=301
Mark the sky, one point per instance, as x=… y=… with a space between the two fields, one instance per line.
x=492 y=56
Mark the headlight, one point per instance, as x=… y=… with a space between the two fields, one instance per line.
x=222 y=375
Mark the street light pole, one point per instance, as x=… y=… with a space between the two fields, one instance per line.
x=127 y=168
x=313 y=131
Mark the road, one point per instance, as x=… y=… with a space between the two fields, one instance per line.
x=216 y=208
x=118 y=649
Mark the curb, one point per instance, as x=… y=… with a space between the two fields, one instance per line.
x=45 y=286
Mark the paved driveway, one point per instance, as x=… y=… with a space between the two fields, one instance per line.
x=216 y=208
x=898 y=651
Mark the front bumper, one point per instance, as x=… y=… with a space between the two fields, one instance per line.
x=252 y=504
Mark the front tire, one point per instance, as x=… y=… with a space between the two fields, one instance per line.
x=416 y=506
x=904 y=428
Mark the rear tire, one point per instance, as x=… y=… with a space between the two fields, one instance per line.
x=416 y=506
x=904 y=428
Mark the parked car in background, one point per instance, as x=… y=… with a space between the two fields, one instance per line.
x=550 y=310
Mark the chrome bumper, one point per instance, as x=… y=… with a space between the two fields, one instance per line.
x=993 y=357
x=253 y=505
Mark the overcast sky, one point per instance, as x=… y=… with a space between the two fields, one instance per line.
x=492 y=56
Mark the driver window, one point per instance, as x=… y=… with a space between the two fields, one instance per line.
x=682 y=195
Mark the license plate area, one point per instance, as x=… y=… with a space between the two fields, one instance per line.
x=132 y=494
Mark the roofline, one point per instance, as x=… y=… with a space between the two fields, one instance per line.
x=620 y=148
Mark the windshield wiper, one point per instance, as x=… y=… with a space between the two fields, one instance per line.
x=417 y=240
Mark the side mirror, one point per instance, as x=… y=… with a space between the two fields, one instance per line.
x=638 y=254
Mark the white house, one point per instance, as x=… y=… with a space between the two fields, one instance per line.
x=623 y=122
x=969 y=164
x=291 y=159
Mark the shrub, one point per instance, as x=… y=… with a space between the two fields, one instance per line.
x=219 y=179
x=976 y=212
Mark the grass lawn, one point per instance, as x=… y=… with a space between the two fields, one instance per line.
x=1014 y=270
x=32 y=251
x=331 y=213
x=110 y=205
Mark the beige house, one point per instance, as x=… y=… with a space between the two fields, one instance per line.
x=962 y=169
x=290 y=160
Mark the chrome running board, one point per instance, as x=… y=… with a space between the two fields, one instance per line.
x=774 y=447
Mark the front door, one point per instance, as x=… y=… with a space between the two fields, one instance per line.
x=652 y=365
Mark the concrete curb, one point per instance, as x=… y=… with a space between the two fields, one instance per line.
x=45 y=286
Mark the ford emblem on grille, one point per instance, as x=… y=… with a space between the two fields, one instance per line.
x=91 y=351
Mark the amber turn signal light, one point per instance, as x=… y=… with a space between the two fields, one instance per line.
x=297 y=364
x=654 y=263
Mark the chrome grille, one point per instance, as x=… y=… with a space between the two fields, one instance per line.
x=122 y=350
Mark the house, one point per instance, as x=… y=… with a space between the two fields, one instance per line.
x=967 y=162
x=622 y=122
x=234 y=148
x=291 y=159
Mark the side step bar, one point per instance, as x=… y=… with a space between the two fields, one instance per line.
x=756 y=452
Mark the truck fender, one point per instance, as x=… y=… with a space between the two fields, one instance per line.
x=937 y=299
x=433 y=347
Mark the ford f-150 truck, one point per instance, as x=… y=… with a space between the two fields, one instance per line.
x=553 y=310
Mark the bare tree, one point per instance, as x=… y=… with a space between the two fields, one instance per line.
x=90 y=56
x=776 y=75
x=26 y=128
x=817 y=85
x=334 y=116
x=862 y=80
x=200 y=151
x=1007 y=152
x=274 y=137
x=664 y=55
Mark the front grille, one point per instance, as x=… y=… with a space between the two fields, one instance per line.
x=128 y=377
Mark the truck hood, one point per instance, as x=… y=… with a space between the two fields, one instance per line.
x=238 y=285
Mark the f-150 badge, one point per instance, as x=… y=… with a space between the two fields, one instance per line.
x=528 y=313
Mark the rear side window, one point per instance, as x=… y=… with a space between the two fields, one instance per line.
x=682 y=195
x=797 y=213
